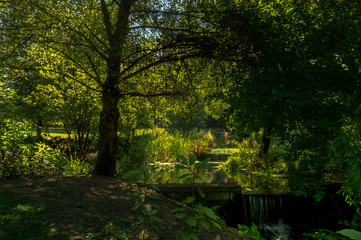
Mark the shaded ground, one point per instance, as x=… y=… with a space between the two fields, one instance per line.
x=92 y=207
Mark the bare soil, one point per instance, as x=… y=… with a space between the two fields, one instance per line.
x=83 y=204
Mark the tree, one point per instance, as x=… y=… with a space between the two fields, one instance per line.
x=300 y=79
x=111 y=47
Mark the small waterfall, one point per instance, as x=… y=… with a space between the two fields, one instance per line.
x=265 y=209
x=267 y=212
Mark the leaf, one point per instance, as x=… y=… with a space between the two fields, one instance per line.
x=202 y=163
x=189 y=180
x=204 y=224
x=132 y=173
x=351 y=233
x=218 y=238
x=180 y=167
x=207 y=211
x=183 y=160
x=153 y=196
x=192 y=159
x=190 y=199
x=191 y=221
x=148 y=207
x=184 y=176
x=155 y=188
x=188 y=236
x=201 y=193
x=179 y=210
x=217 y=225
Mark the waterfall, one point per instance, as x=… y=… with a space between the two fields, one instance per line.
x=265 y=209
x=268 y=213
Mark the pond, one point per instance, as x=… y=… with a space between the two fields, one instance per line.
x=264 y=200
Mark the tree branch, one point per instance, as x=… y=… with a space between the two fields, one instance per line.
x=106 y=19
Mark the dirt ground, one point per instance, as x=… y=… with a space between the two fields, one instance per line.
x=80 y=204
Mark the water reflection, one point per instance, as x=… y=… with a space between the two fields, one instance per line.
x=248 y=180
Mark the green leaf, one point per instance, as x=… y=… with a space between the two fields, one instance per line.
x=218 y=238
x=191 y=221
x=188 y=236
x=189 y=180
x=155 y=188
x=153 y=196
x=217 y=225
x=201 y=193
x=180 y=167
x=179 y=210
x=148 y=207
x=192 y=159
x=190 y=199
x=183 y=160
x=351 y=233
x=207 y=211
x=132 y=173
x=184 y=176
x=204 y=224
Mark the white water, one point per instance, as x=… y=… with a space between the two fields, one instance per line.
x=267 y=213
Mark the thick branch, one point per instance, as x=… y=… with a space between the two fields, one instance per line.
x=106 y=19
x=155 y=94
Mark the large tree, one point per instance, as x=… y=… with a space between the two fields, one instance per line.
x=300 y=81
x=112 y=47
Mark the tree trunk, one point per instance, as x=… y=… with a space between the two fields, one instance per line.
x=109 y=116
x=39 y=126
x=266 y=141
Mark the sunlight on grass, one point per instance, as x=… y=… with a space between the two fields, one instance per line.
x=20 y=219
x=227 y=151
x=52 y=132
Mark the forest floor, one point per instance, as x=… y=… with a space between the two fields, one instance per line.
x=85 y=207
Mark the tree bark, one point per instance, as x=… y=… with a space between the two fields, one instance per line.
x=107 y=155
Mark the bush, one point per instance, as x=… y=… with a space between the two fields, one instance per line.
x=13 y=136
x=21 y=156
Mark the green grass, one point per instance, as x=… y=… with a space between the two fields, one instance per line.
x=227 y=151
x=52 y=132
x=20 y=219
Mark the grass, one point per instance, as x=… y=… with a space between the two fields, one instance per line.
x=20 y=219
x=226 y=151
x=53 y=132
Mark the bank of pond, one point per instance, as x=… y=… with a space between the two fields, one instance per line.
x=262 y=200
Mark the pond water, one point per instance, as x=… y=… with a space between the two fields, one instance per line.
x=266 y=202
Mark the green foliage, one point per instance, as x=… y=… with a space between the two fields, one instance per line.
x=195 y=222
x=227 y=151
x=160 y=146
x=12 y=144
x=192 y=168
x=148 y=221
x=351 y=233
x=324 y=234
x=109 y=231
x=20 y=219
x=252 y=171
x=355 y=222
x=20 y=156
x=249 y=232
x=201 y=217
x=345 y=162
